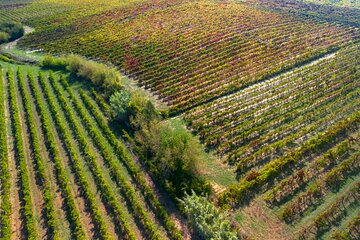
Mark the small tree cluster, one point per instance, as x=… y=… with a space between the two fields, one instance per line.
x=167 y=147
x=10 y=31
x=171 y=152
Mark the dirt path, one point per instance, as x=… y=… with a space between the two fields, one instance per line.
x=16 y=222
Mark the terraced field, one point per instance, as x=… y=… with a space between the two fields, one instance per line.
x=65 y=175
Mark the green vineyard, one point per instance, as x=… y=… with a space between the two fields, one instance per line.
x=66 y=155
x=252 y=106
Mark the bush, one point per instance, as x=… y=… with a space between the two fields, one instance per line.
x=51 y=62
x=119 y=103
x=206 y=219
x=10 y=31
x=4 y=37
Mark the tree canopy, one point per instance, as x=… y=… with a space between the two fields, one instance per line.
x=10 y=31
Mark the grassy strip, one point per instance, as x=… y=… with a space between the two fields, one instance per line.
x=61 y=176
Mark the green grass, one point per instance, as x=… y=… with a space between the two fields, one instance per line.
x=327 y=201
x=351 y=213
x=215 y=171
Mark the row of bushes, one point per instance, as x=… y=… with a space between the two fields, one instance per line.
x=97 y=73
x=106 y=153
x=79 y=170
x=26 y=199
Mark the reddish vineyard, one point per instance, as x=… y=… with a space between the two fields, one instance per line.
x=188 y=59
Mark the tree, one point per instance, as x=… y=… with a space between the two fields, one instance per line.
x=206 y=219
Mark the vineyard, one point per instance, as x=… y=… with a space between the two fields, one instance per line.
x=295 y=139
x=270 y=87
x=343 y=3
x=190 y=60
x=65 y=174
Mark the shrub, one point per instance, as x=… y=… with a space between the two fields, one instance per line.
x=119 y=103
x=53 y=63
x=4 y=37
x=206 y=219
